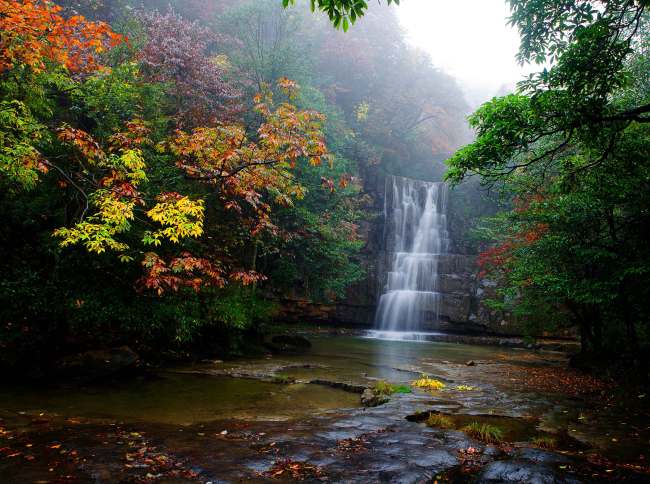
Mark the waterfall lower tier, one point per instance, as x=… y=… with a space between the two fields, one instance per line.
x=416 y=236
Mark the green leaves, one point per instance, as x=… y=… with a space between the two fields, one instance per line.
x=20 y=162
x=342 y=13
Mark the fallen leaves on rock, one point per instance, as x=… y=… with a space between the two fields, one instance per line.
x=352 y=446
x=296 y=470
x=551 y=379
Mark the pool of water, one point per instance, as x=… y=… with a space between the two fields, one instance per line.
x=180 y=399
x=187 y=398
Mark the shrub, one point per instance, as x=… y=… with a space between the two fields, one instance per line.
x=490 y=434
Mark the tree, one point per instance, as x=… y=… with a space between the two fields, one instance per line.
x=178 y=52
x=571 y=147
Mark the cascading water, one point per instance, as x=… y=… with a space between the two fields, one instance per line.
x=416 y=237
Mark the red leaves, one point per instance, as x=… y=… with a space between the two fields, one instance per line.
x=135 y=135
x=295 y=470
x=188 y=271
x=177 y=52
x=497 y=258
x=81 y=140
x=555 y=380
x=32 y=32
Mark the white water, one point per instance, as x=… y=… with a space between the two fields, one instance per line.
x=416 y=236
x=400 y=335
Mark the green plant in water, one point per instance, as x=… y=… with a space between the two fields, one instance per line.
x=403 y=389
x=439 y=421
x=545 y=442
x=490 y=434
x=427 y=383
x=284 y=379
x=384 y=388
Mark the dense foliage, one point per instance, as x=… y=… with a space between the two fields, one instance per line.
x=571 y=150
x=179 y=178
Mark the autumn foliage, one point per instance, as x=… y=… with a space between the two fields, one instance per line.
x=33 y=32
x=497 y=258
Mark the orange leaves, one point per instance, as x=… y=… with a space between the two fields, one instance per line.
x=32 y=32
x=288 y=87
x=247 y=278
x=245 y=170
x=183 y=271
x=188 y=271
x=294 y=470
x=135 y=135
x=81 y=140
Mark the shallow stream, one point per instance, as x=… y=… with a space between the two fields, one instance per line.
x=300 y=416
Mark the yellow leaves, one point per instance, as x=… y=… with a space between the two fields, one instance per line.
x=465 y=388
x=180 y=217
x=222 y=61
x=427 y=383
x=114 y=211
x=133 y=164
x=362 y=111
x=97 y=233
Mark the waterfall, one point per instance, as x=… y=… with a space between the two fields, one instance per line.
x=416 y=236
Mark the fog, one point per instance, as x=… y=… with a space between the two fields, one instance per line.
x=468 y=39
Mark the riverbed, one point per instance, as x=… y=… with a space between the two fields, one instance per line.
x=299 y=417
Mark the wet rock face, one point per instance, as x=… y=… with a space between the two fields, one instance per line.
x=521 y=471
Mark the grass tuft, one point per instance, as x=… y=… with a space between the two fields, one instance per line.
x=490 y=434
x=439 y=421
x=545 y=442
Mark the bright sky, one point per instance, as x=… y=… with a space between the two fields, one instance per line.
x=468 y=39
